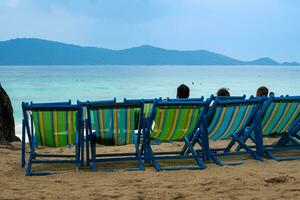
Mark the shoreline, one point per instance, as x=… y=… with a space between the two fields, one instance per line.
x=18 y=131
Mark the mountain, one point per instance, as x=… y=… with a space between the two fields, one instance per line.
x=263 y=61
x=30 y=51
x=290 y=64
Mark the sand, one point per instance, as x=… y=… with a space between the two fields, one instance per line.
x=251 y=180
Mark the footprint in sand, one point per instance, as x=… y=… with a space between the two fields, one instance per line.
x=280 y=179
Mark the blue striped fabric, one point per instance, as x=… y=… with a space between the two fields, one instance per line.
x=228 y=120
x=279 y=116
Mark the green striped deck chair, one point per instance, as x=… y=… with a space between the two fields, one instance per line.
x=281 y=115
x=115 y=126
x=173 y=121
x=86 y=123
x=229 y=120
x=53 y=126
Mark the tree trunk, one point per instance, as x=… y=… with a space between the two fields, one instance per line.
x=7 y=122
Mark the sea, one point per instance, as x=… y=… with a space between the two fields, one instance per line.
x=61 y=83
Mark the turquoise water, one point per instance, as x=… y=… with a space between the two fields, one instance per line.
x=60 y=83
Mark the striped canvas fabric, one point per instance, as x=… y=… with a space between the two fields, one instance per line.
x=114 y=126
x=173 y=123
x=229 y=120
x=279 y=116
x=55 y=128
x=147 y=109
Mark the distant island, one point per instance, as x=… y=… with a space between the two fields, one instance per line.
x=31 y=51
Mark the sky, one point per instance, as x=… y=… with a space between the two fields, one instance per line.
x=243 y=29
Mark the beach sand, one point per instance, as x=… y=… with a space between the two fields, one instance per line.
x=251 y=180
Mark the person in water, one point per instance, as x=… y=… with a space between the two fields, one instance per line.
x=271 y=94
x=262 y=91
x=183 y=91
x=223 y=92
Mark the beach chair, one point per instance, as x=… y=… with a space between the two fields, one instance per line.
x=115 y=126
x=54 y=125
x=280 y=115
x=174 y=121
x=229 y=119
x=27 y=123
x=84 y=104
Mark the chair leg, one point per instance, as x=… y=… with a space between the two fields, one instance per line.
x=203 y=151
x=82 y=146
x=87 y=146
x=233 y=141
x=195 y=155
x=145 y=149
x=23 y=152
x=28 y=170
x=93 y=150
x=216 y=160
x=230 y=145
x=77 y=156
x=248 y=149
x=153 y=159
x=138 y=156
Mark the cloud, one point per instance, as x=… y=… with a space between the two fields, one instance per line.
x=244 y=29
x=11 y=3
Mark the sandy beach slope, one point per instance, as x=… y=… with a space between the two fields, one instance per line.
x=252 y=180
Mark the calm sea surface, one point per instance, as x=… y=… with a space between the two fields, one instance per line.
x=60 y=83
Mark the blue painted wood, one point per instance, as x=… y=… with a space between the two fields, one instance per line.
x=99 y=158
x=28 y=127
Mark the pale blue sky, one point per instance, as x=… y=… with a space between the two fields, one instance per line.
x=244 y=29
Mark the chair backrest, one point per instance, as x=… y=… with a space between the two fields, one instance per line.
x=148 y=104
x=173 y=120
x=186 y=99
x=227 y=98
x=230 y=117
x=85 y=103
x=279 y=114
x=54 y=124
x=115 y=123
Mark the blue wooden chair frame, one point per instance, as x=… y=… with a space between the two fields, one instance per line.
x=227 y=98
x=26 y=128
x=85 y=139
x=290 y=137
x=150 y=155
x=186 y=99
x=114 y=157
x=215 y=153
x=29 y=127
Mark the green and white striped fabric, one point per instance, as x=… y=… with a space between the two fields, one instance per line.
x=55 y=128
x=279 y=116
x=174 y=122
x=228 y=120
x=114 y=126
